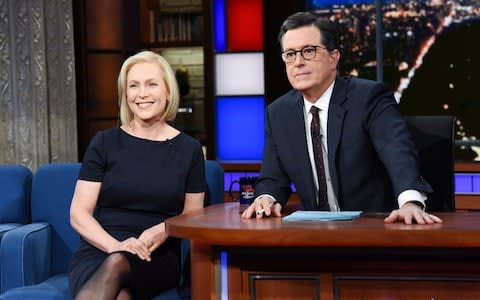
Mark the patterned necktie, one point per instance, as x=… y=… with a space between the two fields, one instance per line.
x=318 y=155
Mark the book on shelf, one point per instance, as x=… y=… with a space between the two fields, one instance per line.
x=175 y=27
x=151 y=26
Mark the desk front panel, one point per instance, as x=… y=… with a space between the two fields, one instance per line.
x=359 y=259
x=356 y=273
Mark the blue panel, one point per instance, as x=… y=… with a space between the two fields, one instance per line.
x=239 y=123
x=224 y=274
x=476 y=183
x=294 y=190
x=227 y=178
x=231 y=176
x=463 y=183
x=219 y=25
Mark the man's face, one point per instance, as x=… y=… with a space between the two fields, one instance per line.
x=311 y=77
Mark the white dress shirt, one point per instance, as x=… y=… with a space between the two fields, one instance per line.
x=322 y=103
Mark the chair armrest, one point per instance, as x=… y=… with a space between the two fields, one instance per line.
x=25 y=257
x=7 y=227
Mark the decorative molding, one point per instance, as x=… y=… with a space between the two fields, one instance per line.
x=37 y=85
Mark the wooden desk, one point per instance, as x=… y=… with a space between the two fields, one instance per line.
x=360 y=259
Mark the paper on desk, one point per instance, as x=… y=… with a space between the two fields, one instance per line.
x=301 y=215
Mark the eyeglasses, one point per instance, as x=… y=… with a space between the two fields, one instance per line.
x=307 y=52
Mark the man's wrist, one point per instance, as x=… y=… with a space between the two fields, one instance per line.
x=411 y=195
x=269 y=197
x=420 y=204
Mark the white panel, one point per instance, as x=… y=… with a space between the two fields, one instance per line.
x=239 y=74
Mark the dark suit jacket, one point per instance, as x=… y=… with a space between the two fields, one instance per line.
x=371 y=156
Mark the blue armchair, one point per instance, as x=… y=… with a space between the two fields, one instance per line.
x=15 y=188
x=38 y=254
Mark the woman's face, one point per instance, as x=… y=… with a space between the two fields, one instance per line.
x=146 y=92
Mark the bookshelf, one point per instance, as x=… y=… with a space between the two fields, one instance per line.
x=170 y=23
x=179 y=30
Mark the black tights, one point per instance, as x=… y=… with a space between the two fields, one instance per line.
x=109 y=281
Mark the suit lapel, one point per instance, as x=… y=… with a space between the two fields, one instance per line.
x=336 y=115
x=299 y=145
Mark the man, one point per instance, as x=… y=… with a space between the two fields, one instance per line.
x=352 y=151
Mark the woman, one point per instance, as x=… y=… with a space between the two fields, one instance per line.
x=133 y=177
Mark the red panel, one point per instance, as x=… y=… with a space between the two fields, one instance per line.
x=245 y=25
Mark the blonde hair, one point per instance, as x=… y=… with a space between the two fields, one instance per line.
x=168 y=76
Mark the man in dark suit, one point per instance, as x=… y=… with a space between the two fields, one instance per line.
x=351 y=151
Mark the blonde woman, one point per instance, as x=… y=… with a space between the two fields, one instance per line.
x=133 y=177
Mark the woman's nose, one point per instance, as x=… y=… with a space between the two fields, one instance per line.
x=142 y=92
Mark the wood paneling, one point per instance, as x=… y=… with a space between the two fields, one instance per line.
x=103 y=71
x=406 y=289
x=467 y=166
x=106 y=32
x=273 y=287
x=105 y=24
x=96 y=125
x=467 y=202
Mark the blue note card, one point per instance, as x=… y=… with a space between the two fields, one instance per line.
x=301 y=215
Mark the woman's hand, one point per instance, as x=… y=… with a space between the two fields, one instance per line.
x=134 y=246
x=153 y=237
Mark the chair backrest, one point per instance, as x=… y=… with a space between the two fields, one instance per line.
x=52 y=191
x=15 y=189
x=435 y=141
x=214 y=177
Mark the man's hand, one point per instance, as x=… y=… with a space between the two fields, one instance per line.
x=262 y=206
x=411 y=212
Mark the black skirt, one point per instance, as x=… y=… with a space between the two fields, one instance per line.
x=146 y=279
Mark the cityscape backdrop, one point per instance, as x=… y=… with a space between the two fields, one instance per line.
x=429 y=55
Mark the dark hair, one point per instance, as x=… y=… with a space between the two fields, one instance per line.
x=327 y=28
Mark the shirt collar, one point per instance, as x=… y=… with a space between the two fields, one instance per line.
x=322 y=102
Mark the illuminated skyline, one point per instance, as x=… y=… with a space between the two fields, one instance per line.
x=410 y=31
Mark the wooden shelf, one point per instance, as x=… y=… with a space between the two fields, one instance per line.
x=229 y=167
x=467 y=202
x=172 y=44
x=467 y=166
x=166 y=23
